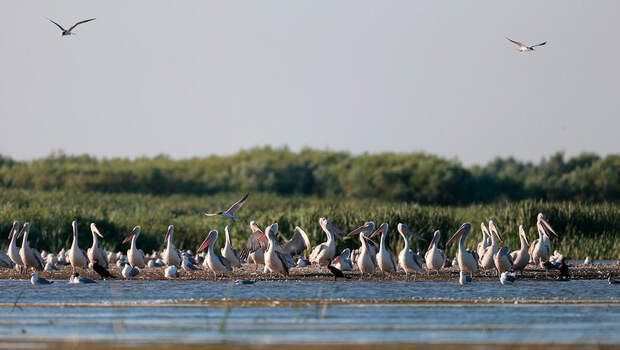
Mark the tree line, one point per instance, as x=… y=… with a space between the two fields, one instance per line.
x=417 y=177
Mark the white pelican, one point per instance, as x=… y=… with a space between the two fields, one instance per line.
x=95 y=254
x=524 y=48
x=503 y=260
x=486 y=240
x=343 y=261
x=435 y=257
x=407 y=260
x=30 y=256
x=541 y=248
x=468 y=261
x=231 y=211
x=486 y=261
x=367 y=229
x=385 y=259
x=364 y=260
x=134 y=256
x=507 y=277
x=274 y=259
x=35 y=279
x=521 y=257
x=323 y=253
x=129 y=272
x=229 y=252
x=68 y=31
x=77 y=279
x=171 y=272
x=13 y=251
x=216 y=262
x=171 y=255
x=77 y=257
x=257 y=241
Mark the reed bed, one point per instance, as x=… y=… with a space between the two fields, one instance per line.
x=585 y=229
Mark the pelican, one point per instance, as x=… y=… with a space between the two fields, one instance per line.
x=467 y=261
x=523 y=47
x=229 y=252
x=343 y=261
x=503 y=260
x=77 y=257
x=407 y=260
x=367 y=229
x=30 y=256
x=255 y=241
x=435 y=257
x=231 y=211
x=385 y=259
x=95 y=254
x=274 y=259
x=364 y=259
x=134 y=256
x=323 y=253
x=35 y=279
x=171 y=255
x=507 y=278
x=486 y=261
x=486 y=240
x=217 y=263
x=171 y=272
x=13 y=251
x=257 y=245
x=69 y=31
x=5 y=260
x=521 y=257
x=541 y=248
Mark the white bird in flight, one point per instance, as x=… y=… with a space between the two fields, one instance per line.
x=231 y=211
x=68 y=31
x=524 y=48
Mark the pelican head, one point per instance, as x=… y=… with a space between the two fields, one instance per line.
x=407 y=232
x=74 y=226
x=542 y=222
x=523 y=234
x=134 y=233
x=382 y=229
x=463 y=231
x=327 y=226
x=211 y=237
x=95 y=230
x=272 y=230
x=169 y=233
x=14 y=229
x=494 y=230
x=24 y=231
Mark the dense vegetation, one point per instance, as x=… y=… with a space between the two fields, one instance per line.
x=585 y=229
x=414 y=177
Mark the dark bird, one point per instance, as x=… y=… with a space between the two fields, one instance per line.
x=336 y=272
x=561 y=266
x=101 y=271
x=611 y=280
x=68 y=31
x=524 y=48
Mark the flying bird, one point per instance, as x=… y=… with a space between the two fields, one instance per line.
x=231 y=211
x=524 y=48
x=68 y=31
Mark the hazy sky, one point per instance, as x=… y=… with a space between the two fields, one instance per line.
x=197 y=78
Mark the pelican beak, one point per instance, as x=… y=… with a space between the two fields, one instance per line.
x=464 y=229
x=357 y=231
x=24 y=229
x=14 y=229
x=170 y=230
x=494 y=230
x=206 y=242
x=436 y=237
x=74 y=225
x=381 y=229
x=337 y=232
x=254 y=226
x=543 y=220
x=523 y=234
x=95 y=230
x=133 y=233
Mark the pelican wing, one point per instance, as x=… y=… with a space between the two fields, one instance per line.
x=80 y=22
x=282 y=258
x=238 y=205
x=253 y=243
x=514 y=42
x=224 y=262
x=37 y=257
x=297 y=244
x=394 y=263
x=58 y=25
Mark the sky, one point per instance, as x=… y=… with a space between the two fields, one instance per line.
x=195 y=78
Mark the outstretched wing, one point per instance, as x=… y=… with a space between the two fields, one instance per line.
x=80 y=22
x=58 y=25
x=283 y=261
x=541 y=44
x=514 y=42
x=253 y=242
x=237 y=205
x=297 y=244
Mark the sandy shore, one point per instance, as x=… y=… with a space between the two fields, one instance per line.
x=315 y=273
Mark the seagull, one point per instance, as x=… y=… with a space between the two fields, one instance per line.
x=77 y=279
x=507 y=277
x=231 y=211
x=68 y=31
x=35 y=279
x=524 y=48
x=171 y=272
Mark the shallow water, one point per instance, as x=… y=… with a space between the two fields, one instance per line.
x=161 y=311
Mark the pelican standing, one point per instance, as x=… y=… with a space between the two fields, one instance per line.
x=95 y=254
x=171 y=255
x=521 y=257
x=274 y=259
x=13 y=251
x=486 y=240
x=486 y=261
x=216 y=262
x=468 y=261
x=367 y=229
x=408 y=261
x=364 y=260
x=323 y=253
x=76 y=255
x=343 y=261
x=385 y=259
x=134 y=256
x=30 y=256
x=542 y=246
x=229 y=252
x=435 y=257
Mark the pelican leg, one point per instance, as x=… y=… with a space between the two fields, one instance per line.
x=406 y=276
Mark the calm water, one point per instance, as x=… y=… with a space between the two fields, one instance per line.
x=565 y=312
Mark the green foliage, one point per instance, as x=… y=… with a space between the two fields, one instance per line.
x=417 y=177
x=585 y=229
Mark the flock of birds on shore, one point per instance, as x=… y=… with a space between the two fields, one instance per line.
x=263 y=248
